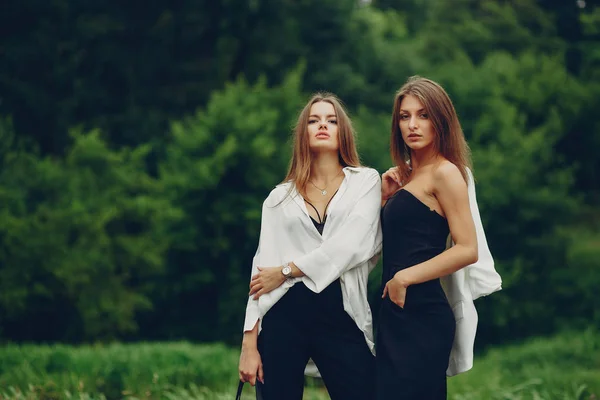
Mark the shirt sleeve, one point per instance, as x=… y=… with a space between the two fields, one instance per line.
x=356 y=241
x=252 y=310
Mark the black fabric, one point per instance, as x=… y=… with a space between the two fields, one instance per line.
x=303 y=325
x=320 y=224
x=413 y=343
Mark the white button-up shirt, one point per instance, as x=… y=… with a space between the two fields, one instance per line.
x=348 y=249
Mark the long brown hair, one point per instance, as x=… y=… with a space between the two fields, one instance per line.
x=299 y=169
x=449 y=141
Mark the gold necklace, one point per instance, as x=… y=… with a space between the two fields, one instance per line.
x=324 y=190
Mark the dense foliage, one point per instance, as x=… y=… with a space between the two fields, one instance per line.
x=137 y=145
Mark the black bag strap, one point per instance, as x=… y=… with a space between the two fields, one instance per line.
x=239 y=391
x=238 y=396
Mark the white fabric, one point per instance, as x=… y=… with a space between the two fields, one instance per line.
x=466 y=285
x=348 y=249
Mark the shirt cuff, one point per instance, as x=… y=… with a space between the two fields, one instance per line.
x=318 y=268
x=252 y=315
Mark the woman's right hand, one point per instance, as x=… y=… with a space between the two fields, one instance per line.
x=251 y=365
x=390 y=183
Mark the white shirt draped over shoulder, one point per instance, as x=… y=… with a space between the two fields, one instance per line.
x=466 y=285
x=348 y=249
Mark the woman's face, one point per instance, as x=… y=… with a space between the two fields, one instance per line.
x=322 y=127
x=415 y=125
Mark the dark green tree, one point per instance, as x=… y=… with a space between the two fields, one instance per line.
x=81 y=236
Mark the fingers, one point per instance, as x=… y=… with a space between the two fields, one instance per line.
x=259 y=293
x=256 y=276
x=395 y=297
x=250 y=367
x=249 y=377
x=261 y=374
x=267 y=280
x=391 y=182
x=398 y=300
x=255 y=287
x=388 y=176
x=245 y=376
x=393 y=174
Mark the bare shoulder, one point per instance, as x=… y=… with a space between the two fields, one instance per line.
x=447 y=177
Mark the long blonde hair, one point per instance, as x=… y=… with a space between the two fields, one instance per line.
x=300 y=164
x=449 y=141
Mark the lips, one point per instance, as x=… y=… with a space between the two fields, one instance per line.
x=414 y=135
x=322 y=135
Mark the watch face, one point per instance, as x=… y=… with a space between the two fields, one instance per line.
x=287 y=270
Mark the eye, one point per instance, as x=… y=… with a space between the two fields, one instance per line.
x=424 y=116
x=403 y=116
x=333 y=121
x=312 y=121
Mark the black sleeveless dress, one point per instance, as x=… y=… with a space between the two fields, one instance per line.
x=414 y=342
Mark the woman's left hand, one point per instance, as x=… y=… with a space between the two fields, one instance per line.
x=395 y=288
x=267 y=279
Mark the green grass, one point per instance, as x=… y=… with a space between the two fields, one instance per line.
x=142 y=370
x=565 y=367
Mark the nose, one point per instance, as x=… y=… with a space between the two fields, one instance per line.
x=323 y=125
x=412 y=124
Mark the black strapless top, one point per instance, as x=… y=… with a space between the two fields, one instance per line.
x=412 y=234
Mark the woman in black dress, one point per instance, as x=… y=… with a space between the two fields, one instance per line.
x=425 y=199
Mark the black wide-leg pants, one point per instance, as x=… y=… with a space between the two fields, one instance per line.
x=303 y=325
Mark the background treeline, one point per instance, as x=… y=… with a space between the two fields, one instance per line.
x=138 y=143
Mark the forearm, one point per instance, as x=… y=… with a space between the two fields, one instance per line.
x=250 y=340
x=446 y=263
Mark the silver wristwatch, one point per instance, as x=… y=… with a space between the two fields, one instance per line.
x=287 y=271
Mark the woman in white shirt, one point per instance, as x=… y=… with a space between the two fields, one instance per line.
x=319 y=239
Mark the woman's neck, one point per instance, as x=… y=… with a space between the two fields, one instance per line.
x=325 y=167
x=423 y=158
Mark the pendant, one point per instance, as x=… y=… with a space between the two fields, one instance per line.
x=324 y=192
